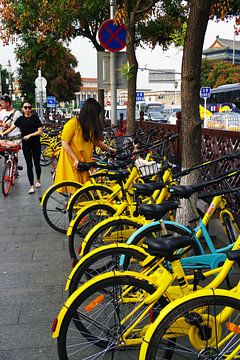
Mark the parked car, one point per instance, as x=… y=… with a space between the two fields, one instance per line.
x=120 y=110
x=156 y=116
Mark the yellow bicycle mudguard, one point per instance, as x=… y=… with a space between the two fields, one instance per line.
x=50 y=188
x=73 y=297
x=173 y=305
x=106 y=221
x=79 y=214
x=89 y=187
x=98 y=250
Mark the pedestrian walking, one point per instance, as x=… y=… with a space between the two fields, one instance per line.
x=8 y=116
x=80 y=134
x=31 y=128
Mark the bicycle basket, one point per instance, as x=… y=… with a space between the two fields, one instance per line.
x=147 y=168
x=10 y=146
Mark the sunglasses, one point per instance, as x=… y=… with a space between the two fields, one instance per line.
x=27 y=107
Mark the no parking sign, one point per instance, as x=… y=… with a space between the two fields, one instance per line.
x=112 y=36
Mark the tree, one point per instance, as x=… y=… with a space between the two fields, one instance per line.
x=153 y=21
x=216 y=73
x=4 y=80
x=57 y=65
x=200 y=12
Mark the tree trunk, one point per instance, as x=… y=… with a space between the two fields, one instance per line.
x=191 y=70
x=132 y=81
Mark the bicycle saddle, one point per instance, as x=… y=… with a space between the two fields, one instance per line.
x=157 y=211
x=148 y=189
x=165 y=247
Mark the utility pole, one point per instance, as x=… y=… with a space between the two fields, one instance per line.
x=113 y=77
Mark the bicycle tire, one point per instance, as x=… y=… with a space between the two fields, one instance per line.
x=55 y=213
x=202 y=329
x=6 y=178
x=85 y=221
x=14 y=171
x=92 y=241
x=103 y=319
x=105 y=260
x=87 y=192
x=45 y=160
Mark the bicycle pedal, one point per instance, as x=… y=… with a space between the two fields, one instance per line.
x=20 y=168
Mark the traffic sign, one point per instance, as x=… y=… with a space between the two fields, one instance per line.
x=205 y=92
x=40 y=82
x=40 y=96
x=139 y=96
x=112 y=36
x=51 y=101
x=108 y=103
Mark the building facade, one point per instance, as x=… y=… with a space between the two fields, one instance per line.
x=223 y=50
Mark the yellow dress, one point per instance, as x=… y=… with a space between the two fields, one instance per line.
x=72 y=134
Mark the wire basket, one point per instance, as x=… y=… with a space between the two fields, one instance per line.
x=147 y=168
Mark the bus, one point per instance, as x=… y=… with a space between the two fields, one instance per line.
x=225 y=98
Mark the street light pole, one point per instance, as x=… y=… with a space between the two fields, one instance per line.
x=10 y=78
x=0 y=79
x=113 y=77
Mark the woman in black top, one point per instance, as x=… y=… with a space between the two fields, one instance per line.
x=31 y=128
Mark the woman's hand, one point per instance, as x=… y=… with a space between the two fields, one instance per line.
x=75 y=164
x=26 y=137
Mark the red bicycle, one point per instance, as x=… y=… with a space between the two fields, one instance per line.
x=10 y=150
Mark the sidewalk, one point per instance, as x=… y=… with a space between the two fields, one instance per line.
x=34 y=264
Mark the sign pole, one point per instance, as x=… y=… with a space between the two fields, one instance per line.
x=113 y=77
x=205 y=113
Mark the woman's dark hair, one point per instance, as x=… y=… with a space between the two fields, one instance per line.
x=26 y=101
x=90 y=121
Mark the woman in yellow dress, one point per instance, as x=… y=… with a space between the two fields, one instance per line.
x=80 y=135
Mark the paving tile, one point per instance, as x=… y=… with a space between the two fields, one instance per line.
x=34 y=313
x=43 y=353
x=16 y=256
x=46 y=244
x=13 y=280
x=9 y=315
x=22 y=336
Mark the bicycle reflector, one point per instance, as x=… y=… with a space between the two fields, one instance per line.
x=94 y=303
x=54 y=324
x=233 y=327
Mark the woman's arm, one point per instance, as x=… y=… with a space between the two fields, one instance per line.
x=5 y=132
x=69 y=151
x=104 y=146
x=36 y=133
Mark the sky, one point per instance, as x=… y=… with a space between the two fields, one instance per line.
x=86 y=55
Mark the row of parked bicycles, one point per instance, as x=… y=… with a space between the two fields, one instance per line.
x=143 y=285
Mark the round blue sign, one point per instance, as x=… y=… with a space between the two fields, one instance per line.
x=111 y=36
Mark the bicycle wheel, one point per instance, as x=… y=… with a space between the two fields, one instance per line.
x=107 y=258
x=14 y=171
x=85 y=221
x=92 y=326
x=115 y=230
x=46 y=151
x=91 y=192
x=201 y=329
x=55 y=202
x=6 y=178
